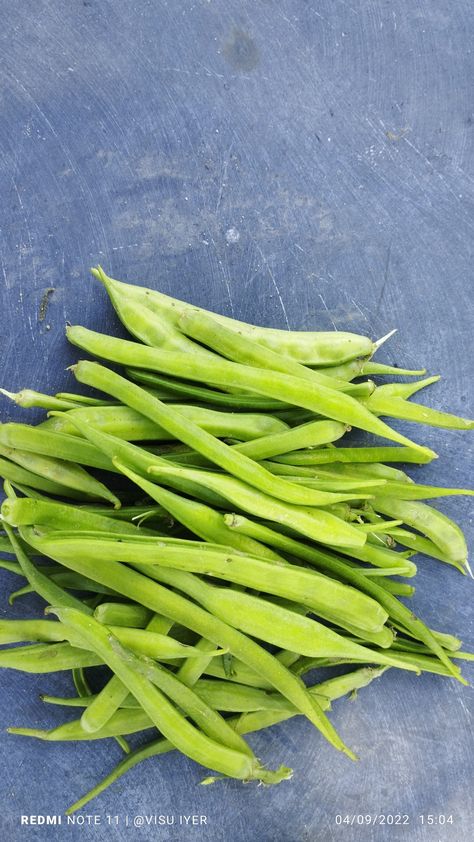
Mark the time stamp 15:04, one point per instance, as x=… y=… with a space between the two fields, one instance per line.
x=434 y=819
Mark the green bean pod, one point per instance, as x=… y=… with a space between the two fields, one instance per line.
x=439 y=528
x=310 y=348
x=112 y=695
x=29 y=398
x=414 y=491
x=356 y=454
x=67 y=474
x=394 y=406
x=323 y=482
x=23 y=511
x=241 y=610
x=287 y=629
x=406 y=390
x=123 y=614
x=223 y=696
x=312 y=434
x=229 y=697
x=364 y=366
x=237 y=672
x=192 y=704
x=142 y=460
x=191 y=671
x=81 y=400
x=371 y=470
x=205 y=522
x=123 y=722
x=422 y=545
x=127 y=423
x=381 y=556
x=37 y=579
x=48 y=442
x=238 y=401
x=370 y=367
x=201 y=520
x=22 y=476
x=142 y=323
x=47 y=657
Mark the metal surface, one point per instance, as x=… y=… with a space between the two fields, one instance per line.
x=303 y=164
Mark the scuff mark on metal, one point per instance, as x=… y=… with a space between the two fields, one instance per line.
x=43 y=307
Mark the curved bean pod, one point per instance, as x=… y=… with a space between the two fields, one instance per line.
x=142 y=323
x=406 y=390
x=311 y=348
x=430 y=522
x=37 y=579
x=192 y=704
x=233 y=345
x=312 y=434
x=422 y=545
x=108 y=701
x=313 y=522
x=66 y=474
x=199 y=518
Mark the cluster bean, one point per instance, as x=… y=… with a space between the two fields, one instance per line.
x=203 y=537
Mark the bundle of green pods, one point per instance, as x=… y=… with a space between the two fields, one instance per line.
x=196 y=532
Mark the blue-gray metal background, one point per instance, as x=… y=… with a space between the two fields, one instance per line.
x=303 y=164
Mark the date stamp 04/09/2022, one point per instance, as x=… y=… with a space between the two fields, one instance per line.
x=394 y=819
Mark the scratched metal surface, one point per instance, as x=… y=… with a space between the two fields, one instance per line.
x=293 y=163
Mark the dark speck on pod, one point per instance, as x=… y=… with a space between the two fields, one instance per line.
x=241 y=51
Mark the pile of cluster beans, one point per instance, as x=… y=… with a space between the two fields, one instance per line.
x=200 y=533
